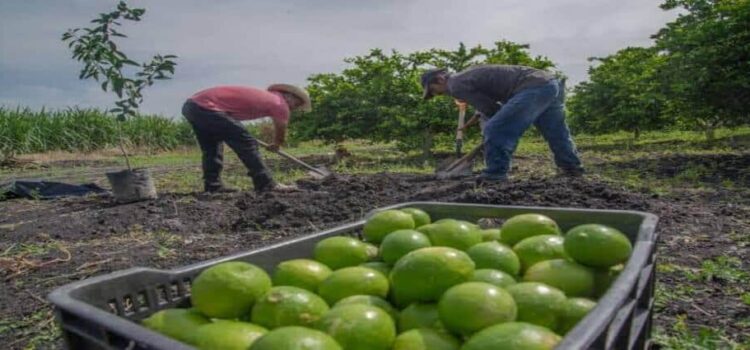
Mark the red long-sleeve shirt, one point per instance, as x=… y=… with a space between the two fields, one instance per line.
x=244 y=103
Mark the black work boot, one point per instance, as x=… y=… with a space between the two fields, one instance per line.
x=487 y=179
x=262 y=181
x=220 y=189
x=571 y=172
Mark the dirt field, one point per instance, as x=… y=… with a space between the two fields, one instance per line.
x=51 y=243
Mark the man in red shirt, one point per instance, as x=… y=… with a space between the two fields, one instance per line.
x=216 y=116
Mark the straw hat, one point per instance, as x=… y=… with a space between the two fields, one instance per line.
x=296 y=91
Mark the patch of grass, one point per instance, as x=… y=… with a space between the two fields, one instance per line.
x=724 y=268
x=166 y=243
x=680 y=337
x=663 y=294
x=745 y=297
x=741 y=238
x=670 y=268
x=35 y=331
x=30 y=249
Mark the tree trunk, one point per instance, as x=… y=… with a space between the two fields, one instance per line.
x=121 y=143
x=427 y=142
x=709 y=128
x=710 y=133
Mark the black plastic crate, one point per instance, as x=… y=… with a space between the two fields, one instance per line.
x=103 y=312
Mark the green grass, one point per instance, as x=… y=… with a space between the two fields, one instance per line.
x=35 y=331
x=680 y=337
x=27 y=131
x=723 y=268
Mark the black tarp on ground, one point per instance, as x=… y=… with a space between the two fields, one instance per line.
x=39 y=189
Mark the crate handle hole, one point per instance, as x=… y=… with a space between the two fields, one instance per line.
x=128 y=305
x=162 y=296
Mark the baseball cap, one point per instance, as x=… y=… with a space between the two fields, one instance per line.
x=428 y=77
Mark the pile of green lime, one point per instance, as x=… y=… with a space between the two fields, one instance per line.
x=414 y=284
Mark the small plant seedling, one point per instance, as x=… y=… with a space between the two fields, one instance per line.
x=104 y=62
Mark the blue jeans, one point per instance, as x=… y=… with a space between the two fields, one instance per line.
x=541 y=106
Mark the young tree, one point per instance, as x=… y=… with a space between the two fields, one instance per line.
x=378 y=98
x=708 y=50
x=104 y=62
x=624 y=92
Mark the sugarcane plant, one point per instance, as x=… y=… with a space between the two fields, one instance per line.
x=104 y=62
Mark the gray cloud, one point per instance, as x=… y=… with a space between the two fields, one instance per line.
x=260 y=42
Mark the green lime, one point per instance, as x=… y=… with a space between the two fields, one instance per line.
x=493 y=255
x=425 y=339
x=379 y=266
x=399 y=243
x=385 y=222
x=539 y=248
x=302 y=273
x=295 y=338
x=513 y=335
x=490 y=234
x=420 y=216
x=288 y=306
x=573 y=311
x=573 y=279
x=494 y=277
x=456 y=234
x=603 y=279
x=424 y=274
x=227 y=335
x=538 y=303
x=469 y=307
x=372 y=301
x=372 y=251
x=229 y=290
x=597 y=245
x=337 y=252
x=359 y=327
x=523 y=226
x=419 y=315
x=353 y=281
x=179 y=324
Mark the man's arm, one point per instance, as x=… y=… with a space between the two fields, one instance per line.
x=279 y=136
x=478 y=100
x=474 y=120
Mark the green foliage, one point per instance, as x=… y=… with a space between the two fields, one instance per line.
x=696 y=74
x=708 y=60
x=103 y=61
x=378 y=98
x=623 y=93
x=73 y=129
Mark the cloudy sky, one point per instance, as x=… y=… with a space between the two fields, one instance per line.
x=259 y=42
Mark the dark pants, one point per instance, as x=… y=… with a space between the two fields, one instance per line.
x=213 y=129
x=542 y=106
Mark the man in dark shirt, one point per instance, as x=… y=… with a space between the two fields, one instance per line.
x=527 y=95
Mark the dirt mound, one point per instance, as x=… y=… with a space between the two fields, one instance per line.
x=562 y=192
x=319 y=204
